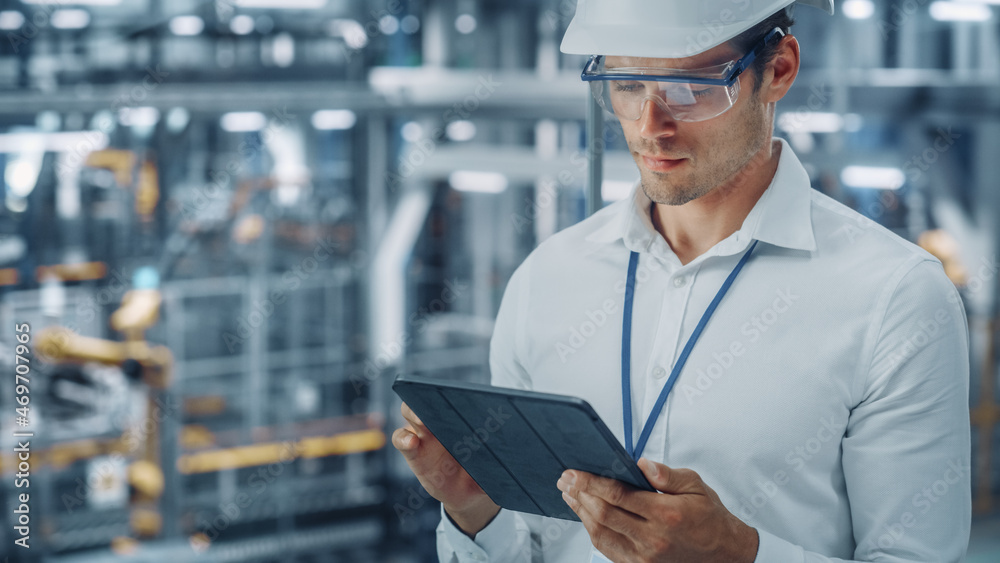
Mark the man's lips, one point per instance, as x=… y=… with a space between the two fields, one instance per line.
x=661 y=164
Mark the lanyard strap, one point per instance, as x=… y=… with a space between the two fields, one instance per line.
x=647 y=429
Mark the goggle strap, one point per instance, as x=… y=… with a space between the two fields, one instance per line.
x=747 y=60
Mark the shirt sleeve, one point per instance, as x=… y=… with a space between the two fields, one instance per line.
x=906 y=451
x=507 y=538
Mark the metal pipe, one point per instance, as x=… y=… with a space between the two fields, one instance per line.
x=595 y=157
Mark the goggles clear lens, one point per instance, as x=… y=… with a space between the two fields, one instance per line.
x=686 y=94
x=684 y=101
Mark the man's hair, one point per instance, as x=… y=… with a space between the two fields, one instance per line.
x=745 y=41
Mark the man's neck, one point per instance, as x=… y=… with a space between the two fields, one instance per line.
x=693 y=228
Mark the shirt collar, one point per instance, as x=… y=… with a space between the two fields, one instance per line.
x=782 y=216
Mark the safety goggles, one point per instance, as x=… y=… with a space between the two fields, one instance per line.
x=686 y=94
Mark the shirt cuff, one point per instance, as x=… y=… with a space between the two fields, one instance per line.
x=772 y=549
x=491 y=542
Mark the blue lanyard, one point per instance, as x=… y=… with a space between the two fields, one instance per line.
x=647 y=429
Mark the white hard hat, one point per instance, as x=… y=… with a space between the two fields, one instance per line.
x=668 y=29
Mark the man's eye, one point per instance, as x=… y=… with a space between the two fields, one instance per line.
x=627 y=87
x=700 y=93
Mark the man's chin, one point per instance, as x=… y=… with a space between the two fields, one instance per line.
x=667 y=194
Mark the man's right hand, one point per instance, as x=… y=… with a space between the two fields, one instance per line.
x=442 y=477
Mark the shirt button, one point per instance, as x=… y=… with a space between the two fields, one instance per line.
x=679 y=281
x=659 y=372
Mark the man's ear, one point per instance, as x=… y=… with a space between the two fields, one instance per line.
x=781 y=71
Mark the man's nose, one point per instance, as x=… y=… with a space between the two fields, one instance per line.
x=656 y=121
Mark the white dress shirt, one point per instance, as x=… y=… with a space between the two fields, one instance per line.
x=826 y=401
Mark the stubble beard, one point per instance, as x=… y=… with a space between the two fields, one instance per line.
x=666 y=189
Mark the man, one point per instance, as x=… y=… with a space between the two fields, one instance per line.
x=822 y=415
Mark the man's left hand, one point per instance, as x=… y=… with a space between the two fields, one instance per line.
x=686 y=523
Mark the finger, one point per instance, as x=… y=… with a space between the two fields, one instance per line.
x=406 y=442
x=418 y=427
x=669 y=480
x=609 y=515
x=610 y=490
x=613 y=544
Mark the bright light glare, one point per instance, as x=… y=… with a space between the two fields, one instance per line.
x=283 y=50
x=286 y=4
x=138 y=117
x=243 y=121
x=48 y=121
x=53 y=142
x=70 y=19
x=872 y=177
x=186 y=25
x=11 y=19
x=21 y=176
x=460 y=130
x=802 y=141
x=858 y=9
x=388 y=24
x=465 y=23
x=411 y=131
x=241 y=25
x=810 y=122
x=177 y=119
x=481 y=182
x=612 y=190
x=334 y=119
x=353 y=33
x=959 y=11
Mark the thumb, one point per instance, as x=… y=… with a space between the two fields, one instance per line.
x=669 y=480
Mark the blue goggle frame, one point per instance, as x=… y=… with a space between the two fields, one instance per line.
x=730 y=71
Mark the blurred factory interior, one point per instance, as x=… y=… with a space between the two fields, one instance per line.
x=230 y=224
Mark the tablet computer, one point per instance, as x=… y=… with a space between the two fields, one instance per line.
x=515 y=444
